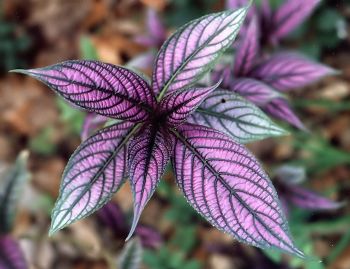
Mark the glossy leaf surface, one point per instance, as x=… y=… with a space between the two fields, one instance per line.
x=190 y=52
x=177 y=106
x=105 y=89
x=149 y=153
x=93 y=174
x=228 y=187
x=227 y=112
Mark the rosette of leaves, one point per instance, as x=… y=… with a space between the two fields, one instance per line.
x=11 y=186
x=218 y=176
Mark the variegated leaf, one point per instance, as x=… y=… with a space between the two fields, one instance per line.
x=228 y=187
x=93 y=174
x=286 y=71
x=229 y=113
x=149 y=153
x=102 y=88
x=176 y=107
x=11 y=188
x=190 y=52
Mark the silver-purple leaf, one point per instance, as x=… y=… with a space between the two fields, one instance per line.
x=105 y=89
x=93 y=174
x=229 y=113
x=290 y=15
x=254 y=90
x=177 y=106
x=280 y=109
x=191 y=51
x=234 y=4
x=227 y=186
x=11 y=187
x=287 y=70
x=248 y=50
x=11 y=255
x=149 y=153
x=308 y=199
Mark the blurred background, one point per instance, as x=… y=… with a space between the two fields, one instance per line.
x=35 y=33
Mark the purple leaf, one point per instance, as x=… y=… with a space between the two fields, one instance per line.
x=91 y=123
x=11 y=255
x=179 y=105
x=150 y=238
x=279 y=109
x=149 y=153
x=11 y=191
x=113 y=217
x=102 y=88
x=248 y=50
x=286 y=71
x=290 y=15
x=254 y=90
x=229 y=113
x=227 y=186
x=93 y=174
x=191 y=51
x=307 y=199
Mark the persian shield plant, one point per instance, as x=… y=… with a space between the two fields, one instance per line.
x=217 y=175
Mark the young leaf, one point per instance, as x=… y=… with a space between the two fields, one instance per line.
x=227 y=186
x=11 y=190
x=307 y=199
x=179 y=105
x=93 y=174
x=191 y=51
x=279 y=109
x=290 y=15
x=286 y=71
x=227 y=112
x=11 y=255
x=149 y=153
x=102 y=88
x=131 y=256
x=248 y=50
x=254 y=90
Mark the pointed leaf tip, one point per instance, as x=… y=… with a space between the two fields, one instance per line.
x=228 y=187
x=93 y=174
